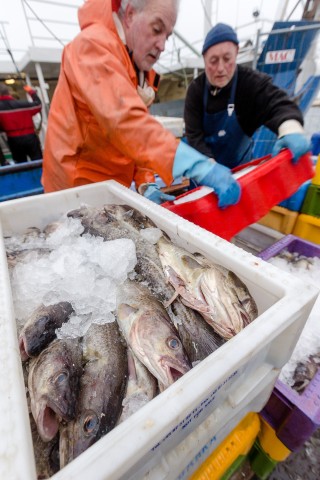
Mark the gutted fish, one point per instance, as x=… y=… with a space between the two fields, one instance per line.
x=149 y=332
x=39 y=329
x=53 y=384
x=215 y=292
x=102 y=389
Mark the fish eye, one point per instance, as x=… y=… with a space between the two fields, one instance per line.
x=90 y=423
x=173 y=343
x=61 y=377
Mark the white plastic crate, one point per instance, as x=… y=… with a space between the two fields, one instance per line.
x=173 y=434
x=174 y=124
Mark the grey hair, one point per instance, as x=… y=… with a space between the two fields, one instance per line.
x=4 y=90
x=139 y=5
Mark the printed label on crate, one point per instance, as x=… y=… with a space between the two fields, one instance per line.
x=198 y=459
x=197 y=412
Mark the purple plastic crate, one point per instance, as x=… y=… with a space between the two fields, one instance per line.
x=293 y=416
x=292 y=244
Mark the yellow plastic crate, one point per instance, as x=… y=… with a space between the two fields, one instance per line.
x=270 y=443
x=281 y=219
x=307 y=227
x=237 y=443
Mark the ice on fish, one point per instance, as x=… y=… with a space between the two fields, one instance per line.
x=309 y=341
x=152 y=235
x=83 y=270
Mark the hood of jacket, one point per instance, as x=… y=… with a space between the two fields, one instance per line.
x=97 y=12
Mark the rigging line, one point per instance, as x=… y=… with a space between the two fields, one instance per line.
x=42 y=23
x=206 y=13
x=6 y=44
x=293 y=10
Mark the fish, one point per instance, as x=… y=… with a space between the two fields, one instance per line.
x=121 y=221
x=198 y=337
x=46 y=454
x=149 y=332
x=215 y=292
x=142 y=387
x=39 y=329
x=53 y=385
x=16 y=256
x=305 y=371
x=102 y=389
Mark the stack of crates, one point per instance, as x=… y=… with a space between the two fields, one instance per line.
x=283 y=217
x=308 y=222
x=267 y=451
x=289 y=418
x=252 y=449
x=232 y=452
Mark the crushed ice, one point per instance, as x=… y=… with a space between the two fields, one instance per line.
x=151 y=235
x=83 y=270
x=308 y=270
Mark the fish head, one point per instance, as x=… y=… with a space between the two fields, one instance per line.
x=230 y=305
x=53 y=384
x=159 y=346
x=95 y=414
x=34 y=337
x=78 y=435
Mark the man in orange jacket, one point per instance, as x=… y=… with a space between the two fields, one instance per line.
x=99 y=127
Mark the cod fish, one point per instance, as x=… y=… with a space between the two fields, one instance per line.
x=39 y=329
x=198 y=337
x=102 y=389
x=215 y=292
x=121 y=221
x=142 y=387
x=53 y=384
x=46 y=453
x=304 y=372
x=149 y=332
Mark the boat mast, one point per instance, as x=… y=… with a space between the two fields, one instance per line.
x=311 y=10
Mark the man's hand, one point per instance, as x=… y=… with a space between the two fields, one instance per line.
x=206 y=171
x=225 y=186
x=29 y=89
x=153 y=193
x=297 y=143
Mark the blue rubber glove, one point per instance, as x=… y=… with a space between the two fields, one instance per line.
x=296 y=142
x=205 y=171
x=153 y=193
x=224 y=185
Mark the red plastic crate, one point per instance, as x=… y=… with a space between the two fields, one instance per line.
x=271 y=181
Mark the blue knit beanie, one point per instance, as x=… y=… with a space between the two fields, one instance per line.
x=219 y=33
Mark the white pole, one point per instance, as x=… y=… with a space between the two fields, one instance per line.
x=281 y=10
x=207 y=16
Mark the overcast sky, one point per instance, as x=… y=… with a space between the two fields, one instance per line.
x=190 y=21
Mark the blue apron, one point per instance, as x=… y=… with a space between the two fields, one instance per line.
x=229 y=144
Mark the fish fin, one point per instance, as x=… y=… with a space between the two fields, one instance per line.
x=125 y=310
x=191 y=262
x=172 y=299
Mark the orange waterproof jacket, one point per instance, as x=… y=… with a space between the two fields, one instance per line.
x=98 y=126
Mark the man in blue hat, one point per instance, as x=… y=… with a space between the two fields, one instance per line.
x=227 y=103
